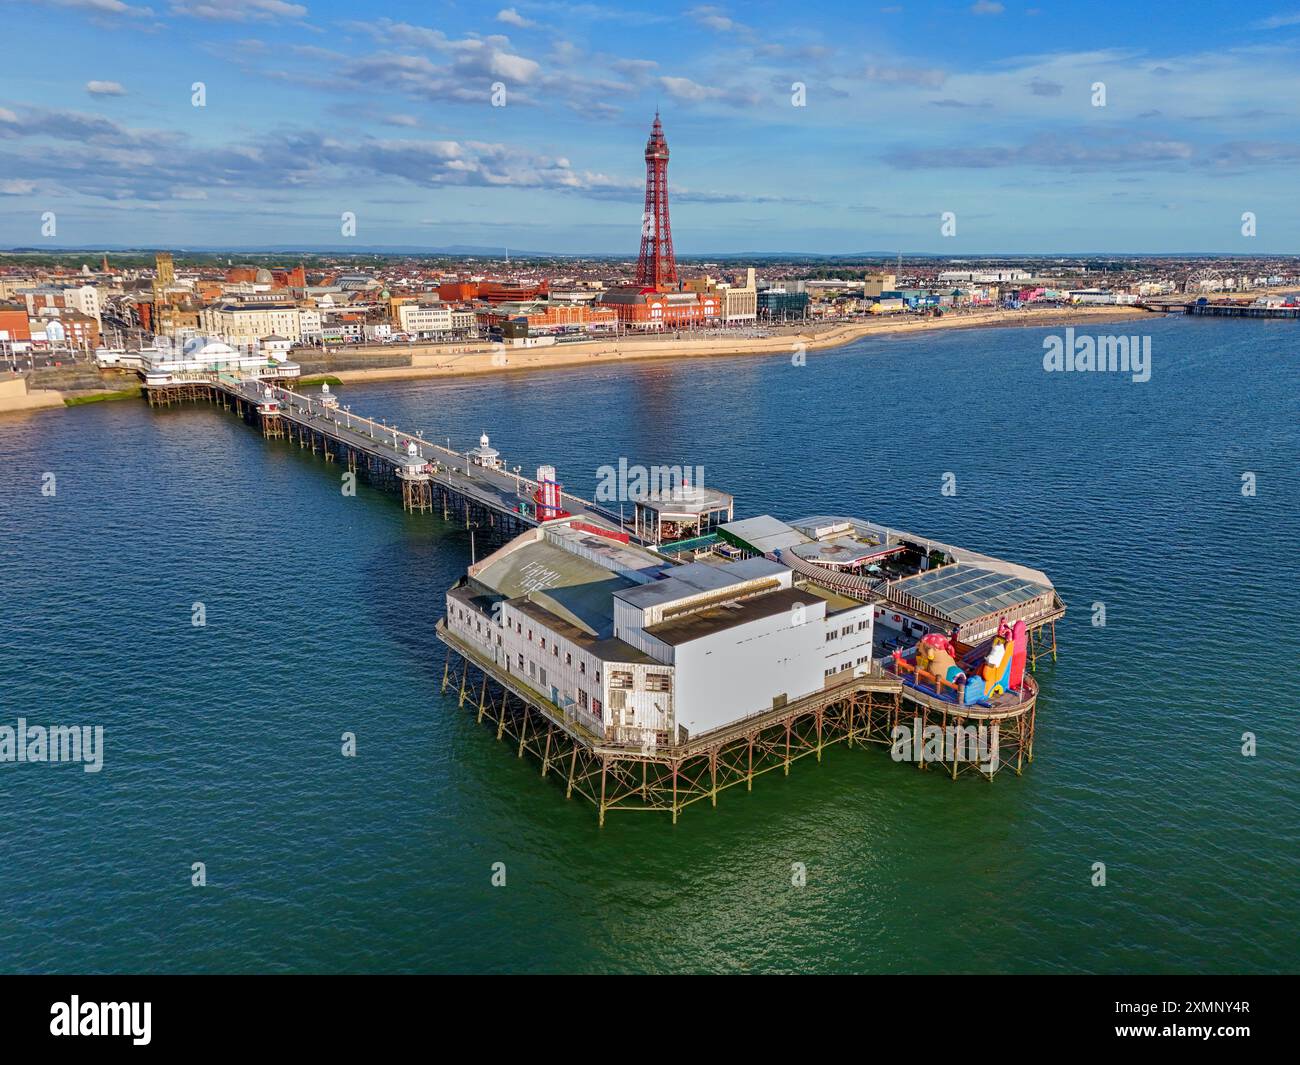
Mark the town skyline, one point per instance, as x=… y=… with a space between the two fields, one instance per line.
x=839 y=132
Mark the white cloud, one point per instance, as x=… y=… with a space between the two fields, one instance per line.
x=717 y=19
x=987 y=7
x=895 y=75
x=238 y=10
x=1277 y=22
x=99 y=7
x=693 y=92
x=105 y=88
x=511 y=17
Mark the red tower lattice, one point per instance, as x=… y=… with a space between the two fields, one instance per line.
x=656 y=266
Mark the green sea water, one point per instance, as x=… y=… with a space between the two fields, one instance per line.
x=222 y=742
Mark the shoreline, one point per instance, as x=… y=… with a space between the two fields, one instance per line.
x=432 y=361
x=442 y=362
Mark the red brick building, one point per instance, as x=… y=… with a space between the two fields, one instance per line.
x=549 y=317
x=662 y=308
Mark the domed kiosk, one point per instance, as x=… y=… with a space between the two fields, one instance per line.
x=486 y=455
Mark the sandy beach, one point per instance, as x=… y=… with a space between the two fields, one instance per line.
x=449 y=360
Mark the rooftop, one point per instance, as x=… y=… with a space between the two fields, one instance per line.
x=962 y=593
x=569 y=586
x=689 y=499
x=695 y=577
x=764 y=533
x=705 y=622
x=842 y=551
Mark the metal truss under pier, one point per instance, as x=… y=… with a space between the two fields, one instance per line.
x=667 y=779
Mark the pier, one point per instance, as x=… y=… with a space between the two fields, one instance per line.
x=1204 y=308
x=667 y=779
x=626 y=729
x=471 y=486
x=858 y=711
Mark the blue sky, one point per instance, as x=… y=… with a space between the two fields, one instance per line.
x=985 y=110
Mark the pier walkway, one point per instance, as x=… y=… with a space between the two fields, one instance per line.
x=425 y=468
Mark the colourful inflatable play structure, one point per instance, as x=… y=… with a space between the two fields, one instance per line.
x=940 y=664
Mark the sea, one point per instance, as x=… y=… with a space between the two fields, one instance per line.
x=228 y=617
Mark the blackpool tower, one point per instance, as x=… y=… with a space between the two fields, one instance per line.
x=656 y=266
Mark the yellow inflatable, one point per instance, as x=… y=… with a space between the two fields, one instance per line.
x=936 y=659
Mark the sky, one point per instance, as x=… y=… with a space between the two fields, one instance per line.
x=827 y=128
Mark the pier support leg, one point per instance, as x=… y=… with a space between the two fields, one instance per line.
x=604 y=769
x=523 y=731
x=956 y=747
x=501 y=721
x=675 y=792
x=546 y=757
x=573 y=763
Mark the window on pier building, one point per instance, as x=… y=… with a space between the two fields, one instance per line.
x=568 y=658
x=530 y=635
x=582 y=698
x=542 y=677
x=830 y=636
x=658 y=682
x=595 y=707
x=582 y=668
x=620 y=679
x=543 y=643
x=521 y=663
x=532 y=669
x=555 y=649
x=830 y=672
x=847 y=630
x=863 y=624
